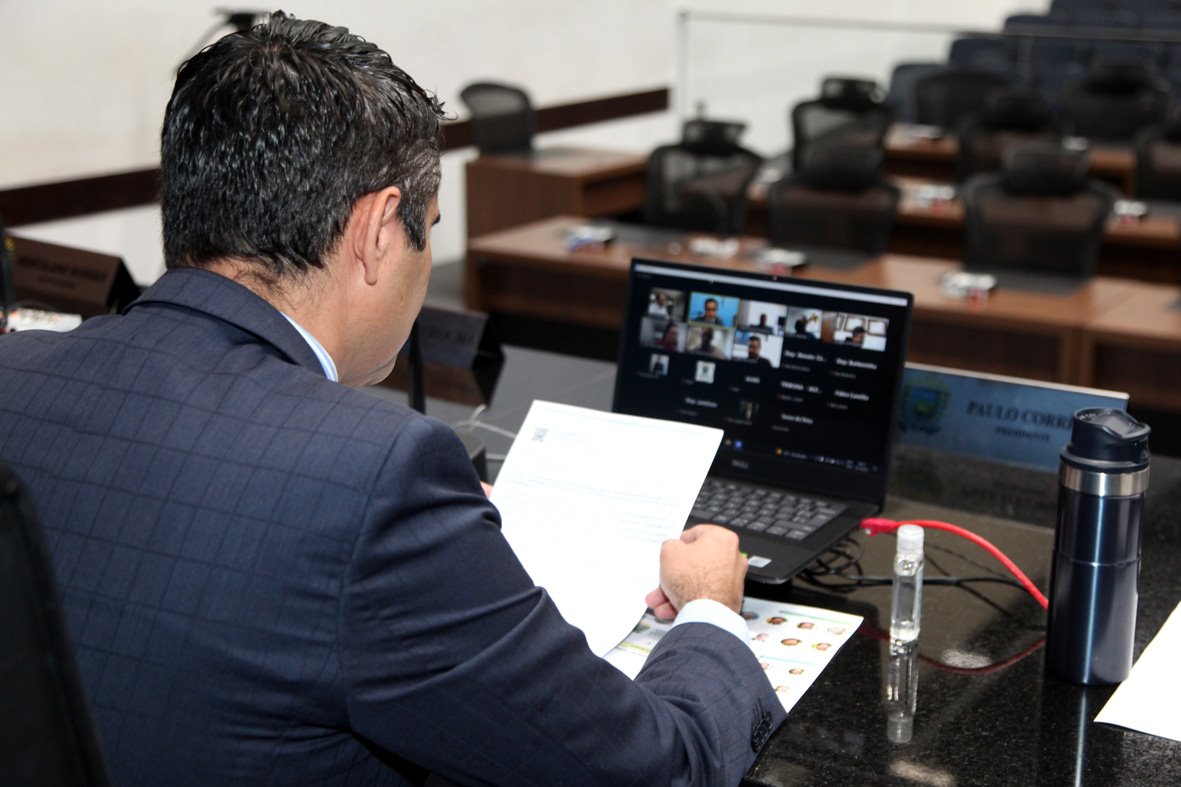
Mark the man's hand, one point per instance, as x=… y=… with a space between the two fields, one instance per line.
x=703 y=563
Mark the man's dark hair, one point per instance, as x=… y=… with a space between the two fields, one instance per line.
x=273 y=133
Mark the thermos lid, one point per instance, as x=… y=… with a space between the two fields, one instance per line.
x=1107 y=440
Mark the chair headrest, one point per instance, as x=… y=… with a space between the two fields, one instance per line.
x=850 y=92
x=711 y=137
x=1016 y=110
x=1171 y=127
x=841 y=167
x=1044 y=168
x=1118 y=76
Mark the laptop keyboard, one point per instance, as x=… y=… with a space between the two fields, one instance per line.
x=769 y=512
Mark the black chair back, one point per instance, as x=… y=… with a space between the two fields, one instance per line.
x=700 y=187
x=1041 y=214
x=1009 y=117
x=944 y=98
x=849 y=111
x=838 y=199
x=46 y=733
x=900 y=97
x=502 y=117
x=1158 y=160
x=1114 y=102
x=711 y=137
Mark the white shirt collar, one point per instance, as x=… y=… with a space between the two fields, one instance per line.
x=321 y=354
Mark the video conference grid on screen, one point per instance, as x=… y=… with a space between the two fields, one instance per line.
x=792 y=374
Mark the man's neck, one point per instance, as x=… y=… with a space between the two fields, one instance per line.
x=310 y=299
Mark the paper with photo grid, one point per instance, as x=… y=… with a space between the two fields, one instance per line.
x=794 y=643
x=587 y=498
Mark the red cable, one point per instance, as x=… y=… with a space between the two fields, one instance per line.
x=875 y=525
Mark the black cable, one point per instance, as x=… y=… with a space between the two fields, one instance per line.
x=845 y=556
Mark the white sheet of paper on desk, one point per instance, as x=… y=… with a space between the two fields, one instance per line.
x=587 y=498
x=792 y=642
x=1136 y=704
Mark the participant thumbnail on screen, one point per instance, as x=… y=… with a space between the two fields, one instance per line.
x=758 y=348
x=666 y=304
x=804 y=323
x=712 y=309
x=711 y=341
x=658 y=364
x=762 y=317
x=854 y=330
x=662 y=333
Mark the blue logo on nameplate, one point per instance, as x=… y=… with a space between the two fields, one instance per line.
x=1008 y=419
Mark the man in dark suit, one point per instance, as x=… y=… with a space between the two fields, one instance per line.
x=272 y=578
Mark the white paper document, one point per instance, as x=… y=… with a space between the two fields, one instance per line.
x=1136 y=704
x=587 y=498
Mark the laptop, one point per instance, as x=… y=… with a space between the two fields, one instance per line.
x=802 y=376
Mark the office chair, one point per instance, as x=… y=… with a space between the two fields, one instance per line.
x=1150 y=53
x=1040 y=214
x=1009 y=117
x=983 y=53
x=706 y=135
x=700 y=183
x=46 y=733
x=943 y=98
x=1052 y=64
x=900 y=95
x=503 y=120
x=1158 y=160
x=837 y=199
x=848 y=111
x=1114 y=102
x=1034 y=23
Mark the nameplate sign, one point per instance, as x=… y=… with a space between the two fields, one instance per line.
x=1006 y=419
x=62 y=278
x=461 y=354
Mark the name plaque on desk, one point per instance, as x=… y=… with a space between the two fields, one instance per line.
x=1007 y=419
x=70 y=279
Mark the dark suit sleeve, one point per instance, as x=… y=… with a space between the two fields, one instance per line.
x=455 y=661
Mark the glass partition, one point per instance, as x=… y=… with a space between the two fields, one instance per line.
x=755 y=68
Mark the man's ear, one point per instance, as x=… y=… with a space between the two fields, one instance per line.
x=378 y=229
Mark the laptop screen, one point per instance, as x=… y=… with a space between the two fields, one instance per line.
x=801 y=375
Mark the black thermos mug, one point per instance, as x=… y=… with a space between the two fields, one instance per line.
x=1101 y=485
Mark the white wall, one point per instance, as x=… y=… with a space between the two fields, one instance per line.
x=84 y=86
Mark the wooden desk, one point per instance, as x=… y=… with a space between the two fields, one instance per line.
x=1135 y=346
x=935 y=159
x=1033 y=333
x=1148 y=249
x=527 y=273
x=509 y=190
x=544 y=296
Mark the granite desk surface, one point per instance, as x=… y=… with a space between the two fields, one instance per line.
x=985 y=710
